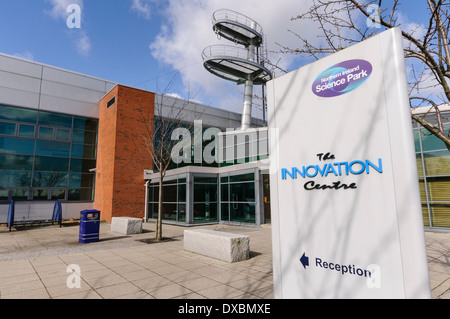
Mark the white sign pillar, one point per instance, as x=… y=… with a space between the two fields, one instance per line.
x=345 y=200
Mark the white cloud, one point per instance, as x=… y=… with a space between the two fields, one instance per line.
x=188 y=30
x=59 y=8
x=142 y=7
x=25 y=55
x=83 y=44
x=80 y=38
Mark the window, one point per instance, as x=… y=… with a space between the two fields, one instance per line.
x=81 y=180
x=53 y=119
x=20 y=194
x=431 y=142
x=62 y=135
x=46 y=133
x=84 y=137
x=4 y=195
x=7 y=128
x=26 y=130
x=437 y=163
x=56 y=149
x=173 y=202
x=85 y=124
x=51 y=164
x=39 y=159
x=433 y=166
x=205 y=199
x=83 y=151
x=111 y=102
x=82 y=165
x=16 y=162
x=15 y=179
x=11 y=113
x=9 y=145
x=49 y=179
x=237 y=194
x=81 y=194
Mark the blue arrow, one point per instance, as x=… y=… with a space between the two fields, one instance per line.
x=304 y=260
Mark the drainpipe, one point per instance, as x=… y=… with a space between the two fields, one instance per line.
x=146 y=203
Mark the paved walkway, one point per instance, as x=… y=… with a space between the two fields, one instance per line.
x=33 y=265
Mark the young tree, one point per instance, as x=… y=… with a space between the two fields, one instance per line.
x=346 y=22
x=157 y=142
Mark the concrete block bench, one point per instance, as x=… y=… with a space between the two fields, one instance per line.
x=220 y=245
x=126 y=225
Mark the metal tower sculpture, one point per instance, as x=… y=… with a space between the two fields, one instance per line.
x=243 y=65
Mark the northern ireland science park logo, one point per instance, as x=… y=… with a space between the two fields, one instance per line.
x=342 y=78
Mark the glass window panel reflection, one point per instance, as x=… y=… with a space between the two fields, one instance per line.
x=62 y=135
x=7 y=128
x=84 y=137
x=169 y=211
x=12 y=145
x=48 y=148
x=205 y=192
x=425 y=216
x=85 y=124
x=40 y=194
x=83 y=151
x=440 y=214
x=46 y=179
x=4 y=194
x=53 y=119
x=170 y=194
x=242 y=192
x=58 y=194
x=82 y=165
x=242 y=212
x=437 y=163
x=181 y=213
x=46 y=133
x=438 y=188
x=20 y=194
x=243 y=178
x=81 y=180
x=225 y=215
x=15 y=179
x=205 y=212
x=53 y=164
x=431 y=142
x=27 y=130
x=17 y=114
x=81 y=194
x=16 y=162
x=182 y=192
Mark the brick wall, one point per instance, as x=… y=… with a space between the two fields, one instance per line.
x=121 y=157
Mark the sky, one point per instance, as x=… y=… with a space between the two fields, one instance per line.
x=149 y=44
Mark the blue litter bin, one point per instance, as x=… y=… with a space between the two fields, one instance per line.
x=89 y=226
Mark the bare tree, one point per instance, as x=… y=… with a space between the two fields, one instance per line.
x=157 y=142
x=346 y=22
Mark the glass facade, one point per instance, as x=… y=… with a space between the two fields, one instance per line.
x=238 y=200
x=214 y=198
x=173 y=200
x=46 y=156
x=205 y=199
x=433 y=165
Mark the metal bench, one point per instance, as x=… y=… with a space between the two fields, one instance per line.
x=55 y=218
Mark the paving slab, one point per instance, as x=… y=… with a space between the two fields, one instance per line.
x=34 y=261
